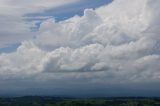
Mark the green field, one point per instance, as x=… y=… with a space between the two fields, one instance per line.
x=59 y=101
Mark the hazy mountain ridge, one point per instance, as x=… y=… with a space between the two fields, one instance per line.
x=68 y=101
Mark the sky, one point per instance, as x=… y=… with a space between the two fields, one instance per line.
x=81 y=48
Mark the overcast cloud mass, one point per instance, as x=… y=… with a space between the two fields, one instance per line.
x=113 y=50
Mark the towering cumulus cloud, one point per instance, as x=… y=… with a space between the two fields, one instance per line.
x=113 y=47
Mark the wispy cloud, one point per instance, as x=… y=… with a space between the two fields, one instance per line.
x=14 y=28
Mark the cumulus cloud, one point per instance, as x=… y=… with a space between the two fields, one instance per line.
x=117 y=44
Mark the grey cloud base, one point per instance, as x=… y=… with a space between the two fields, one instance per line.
x=111 y=51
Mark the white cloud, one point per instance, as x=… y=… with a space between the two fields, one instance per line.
x=14 y=28
x=112 y=45
x=30 y=6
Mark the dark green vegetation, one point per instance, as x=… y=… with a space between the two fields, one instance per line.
x=56 y=101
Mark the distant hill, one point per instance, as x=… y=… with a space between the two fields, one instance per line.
x=64 y=101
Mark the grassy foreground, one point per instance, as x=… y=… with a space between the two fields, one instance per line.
x=58 y=101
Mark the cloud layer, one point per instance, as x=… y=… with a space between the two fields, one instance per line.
x=13 y=13
x=115 y=46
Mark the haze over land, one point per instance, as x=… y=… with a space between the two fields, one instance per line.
x=113 y=50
